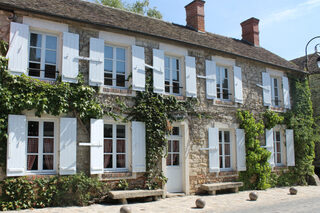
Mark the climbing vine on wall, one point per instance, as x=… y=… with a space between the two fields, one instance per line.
x=157 y=112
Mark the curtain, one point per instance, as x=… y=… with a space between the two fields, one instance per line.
x=48 y=162
x=31 y=162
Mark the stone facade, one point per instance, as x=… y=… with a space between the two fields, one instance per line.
x=222 y=113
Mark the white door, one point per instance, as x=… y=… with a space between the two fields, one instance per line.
x=174 y=162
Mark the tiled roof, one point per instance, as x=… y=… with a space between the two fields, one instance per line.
x=93 y=13
x=312 y=63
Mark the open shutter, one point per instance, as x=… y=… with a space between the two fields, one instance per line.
x=238 y=94
x=158 y=74
x=290 y=147
x=18 y=48
x=191 y=77
x=241 y=150
x=138 y=69
x=269 y=146
x=68 y=146
x=96 y=68
x=70 y=57
x=96 y=148
x=17 y=142
x=211 y=80
x=286 y=93
x=138 y=147
x=213 y=137
x=266 y=82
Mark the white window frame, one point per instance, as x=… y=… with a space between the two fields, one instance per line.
x=219 y=69
x=114 y=66
x=43 y=54
x=275 y=148
x=171 y=74
x=40 y=147
x=114 y=147
x=222 y=167
x=273 y=97
x=175 y=138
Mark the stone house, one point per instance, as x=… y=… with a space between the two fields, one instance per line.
x=58 y=37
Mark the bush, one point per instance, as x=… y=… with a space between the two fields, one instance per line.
x=21 y=193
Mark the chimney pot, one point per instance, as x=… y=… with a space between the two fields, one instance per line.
x=250 y=31
x=195 y=15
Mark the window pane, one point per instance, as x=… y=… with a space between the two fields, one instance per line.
x=121 y=81
x=220 y=148
x=225 y=72
x=218 y=75
x=227 y=149
x=108 y=79
x=121 y=146
x=225 y=94
x=175 y=131
x=35 y=40
x=175 y=146
x=167 y=62
x=48 y=162
x=50 y=71
x=220 y=136
x=34 y=69
x=48 y=145
x=279 y=158
x=225 y=84
x=107 y=146
x=176 y=88
x=33 y=128
x=275 y=81
x=221 y=162
x=278 y=136
x=32 y=145
x=108 y=65
x=121 y=54
x=108 y=52
x=167 y=74
x=278 y=147
x=108 y=131
x=228 y=162
x=121 y=131
x=51 y=42
x=35 y=54
x=227 y=137
x=175 y=63
x=121 y=67
x=48 y=129
x=175 y=160
x=51 y=57
x=169 y=146
x=169 y=160
x=121 y=161
x=32 y=162
x=175 y=76
x=107 y=161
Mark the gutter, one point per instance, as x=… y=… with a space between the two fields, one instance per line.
x=138 y=32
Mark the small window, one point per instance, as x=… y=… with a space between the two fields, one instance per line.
x=115 y=66
x=115 y=146
x=43 y=56
x=174 y=148
x=172 y=75
x=225 y=149
x=275 y=88
x=277 y=147
x=223 y=84
x=41 y=146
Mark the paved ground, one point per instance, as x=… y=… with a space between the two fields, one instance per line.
x=272 y=200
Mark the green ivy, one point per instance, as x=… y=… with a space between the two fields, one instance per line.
x=271 y=119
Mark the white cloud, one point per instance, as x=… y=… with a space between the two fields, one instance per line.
x=291 y=13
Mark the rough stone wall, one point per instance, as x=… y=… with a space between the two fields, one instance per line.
x=5 y=25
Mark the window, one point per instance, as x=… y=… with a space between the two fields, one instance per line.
x=174 y=143
x=172 y=75
x=43 y=56
x=41 y=146
x=277 y=147
x=225 y=149
x=115 y=147
x=114 y=66
x=275 y=92
x=223 y=87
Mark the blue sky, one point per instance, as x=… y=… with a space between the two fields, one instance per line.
x=285 y=25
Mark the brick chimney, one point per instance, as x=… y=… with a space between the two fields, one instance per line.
x=195 y=15
x=250 y=31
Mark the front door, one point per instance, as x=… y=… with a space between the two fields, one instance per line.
x=174 y=163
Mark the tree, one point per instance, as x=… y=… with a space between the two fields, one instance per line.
x=140 y=7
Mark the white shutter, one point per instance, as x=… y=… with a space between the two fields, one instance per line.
x=191 y=77
x=269 y=146
x=68 y=146
x=18 y=48
x=158 y=74
x=96 y=148
x=138 y=69
x=238 y=94
x=138 y=147
x=266 y=82
x=290 y=147
x=96 y=68
x=241 y=150
x=213 y=137
x=17 y=142
x=286 y=93
x=70 y=57
x=211 y=80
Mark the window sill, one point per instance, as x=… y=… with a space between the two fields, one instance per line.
x=277 y=109
x=33 y=176
x=117 y=176
x=117 y=91
x=225 y=103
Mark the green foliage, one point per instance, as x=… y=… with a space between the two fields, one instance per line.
x=157 y=112
x=21 y=193
x=140 y=7
x=271 y=119
x=123 y=185
x=258 y=171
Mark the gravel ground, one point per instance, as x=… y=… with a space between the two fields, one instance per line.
x=271 y=200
